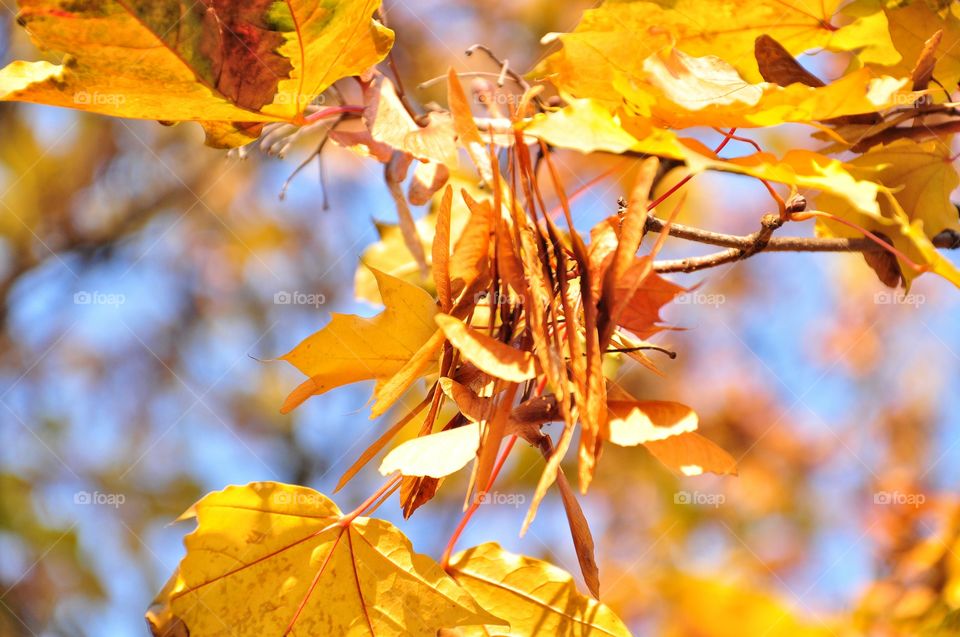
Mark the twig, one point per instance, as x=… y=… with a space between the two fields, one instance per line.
x=397 y=81
x=503 y=64
x=443 y=78
x=744 y=246
x=914 y=132
x=948 y=239
x=348 y=109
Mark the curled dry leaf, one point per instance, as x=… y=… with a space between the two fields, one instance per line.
x=389 y=123
x=428 y=178
x=470 y=405
x=415 y=491
x=395 y=172
x=441 y=252
x=922 y=72
x=884 y=264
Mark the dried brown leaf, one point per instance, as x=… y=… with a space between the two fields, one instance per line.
x=779 y=67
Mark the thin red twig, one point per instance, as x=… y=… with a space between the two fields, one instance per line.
x=680 y=184
x=323 y=113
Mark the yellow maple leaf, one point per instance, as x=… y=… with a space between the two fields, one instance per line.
x=352 y=348
x=616 y=37
x=153 y=60
x=267 y=559
x=535 y=597
x=611 y=133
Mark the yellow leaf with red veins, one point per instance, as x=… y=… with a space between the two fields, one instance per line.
x=615 y=38
x=264 y=560
x=535 y=597
x=231 y=66
x=920 y=174
x=919 y=178
x=353 y=348
x=801 y=168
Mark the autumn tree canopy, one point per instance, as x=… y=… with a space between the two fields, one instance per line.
x=503 y=318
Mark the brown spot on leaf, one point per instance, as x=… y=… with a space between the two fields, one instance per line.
x=242 y=48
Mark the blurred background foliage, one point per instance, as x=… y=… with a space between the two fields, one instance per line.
x=116 y=415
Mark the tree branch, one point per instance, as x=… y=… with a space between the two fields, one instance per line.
x=741 y=247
